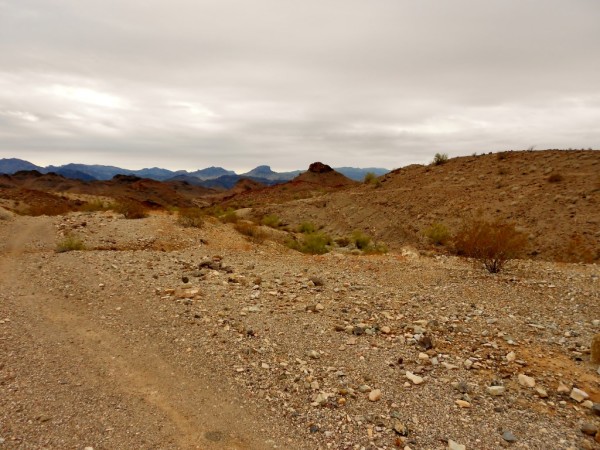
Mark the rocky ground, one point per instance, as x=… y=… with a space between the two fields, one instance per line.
x=158 y=336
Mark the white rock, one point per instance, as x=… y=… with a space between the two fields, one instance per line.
x=416 y=379
x=526 y=381
x=455 y=445
x=578 y=395
x=423 y=356
x=511 y=357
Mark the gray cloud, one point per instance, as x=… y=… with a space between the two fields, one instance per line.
x=387 y=82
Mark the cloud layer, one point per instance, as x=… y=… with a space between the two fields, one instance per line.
x=193 y=83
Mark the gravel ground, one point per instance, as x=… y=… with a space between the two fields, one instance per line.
x=158 y=336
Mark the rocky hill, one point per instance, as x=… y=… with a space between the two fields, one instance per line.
x=552 y=196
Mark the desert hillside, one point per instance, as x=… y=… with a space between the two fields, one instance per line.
x=552 y=196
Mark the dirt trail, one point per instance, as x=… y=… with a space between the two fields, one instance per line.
x=191 y=412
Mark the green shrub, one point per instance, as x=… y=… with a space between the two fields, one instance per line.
x=493 y=243
x=307 y=227
x=70 y=243
x=312 y=243
x=438 y=233
x=271 y=220
x=190 y=217
x=131 y=209
x=361 y=240
x=439 y=159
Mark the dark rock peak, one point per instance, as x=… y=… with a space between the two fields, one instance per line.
x=319 y=167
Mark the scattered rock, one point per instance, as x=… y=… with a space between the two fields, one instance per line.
x=578 y=395
x=416 y=379
x=509 y=437
x=589 y=428
x=375 y=395
x=526 y=381
x=496 y=390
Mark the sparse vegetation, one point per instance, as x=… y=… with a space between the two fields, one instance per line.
x=190 y=217
x=70 y=243
x=131 y=209
x=360 y=240
x=439 y=159
x=371 y=178
x=438 y=233
x=307 y=227
x=250 y=230
x=555 y=178
x=376 y=248
x=271 y=220
x=491 y=242
x=312 y=243
x=229 y=216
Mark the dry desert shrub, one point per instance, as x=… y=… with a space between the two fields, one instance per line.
x=70 y=243
x=131 y=209
x=94 y=206
x=229 y=216
x=491 y=242
x=311 y=243
x=271 y=220
x=307 y=228
x=438 y=233
x=190 y=217
x=250 y=230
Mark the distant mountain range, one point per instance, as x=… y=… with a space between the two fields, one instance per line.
x=211 y=177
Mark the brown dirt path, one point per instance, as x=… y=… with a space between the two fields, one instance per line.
x=68 y=382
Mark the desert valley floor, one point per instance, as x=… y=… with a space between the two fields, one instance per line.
x=159 y=337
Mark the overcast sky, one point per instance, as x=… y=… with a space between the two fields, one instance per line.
x=186 y=84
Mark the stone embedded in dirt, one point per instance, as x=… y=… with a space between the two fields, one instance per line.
x=375 y=395
x=526 y=381
x=364 y=388
x=416 y=379
x=596 y=409
x=313 y=354
x=510 y=357
x=400 y=428
x=386 y=330
x=578 y=395
x=452 y=445
x=462 y=404
x=541 y=392
x=496 y=391
x=589 y=428
x=562 y=388
x=595 y=349
x=509 y=437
